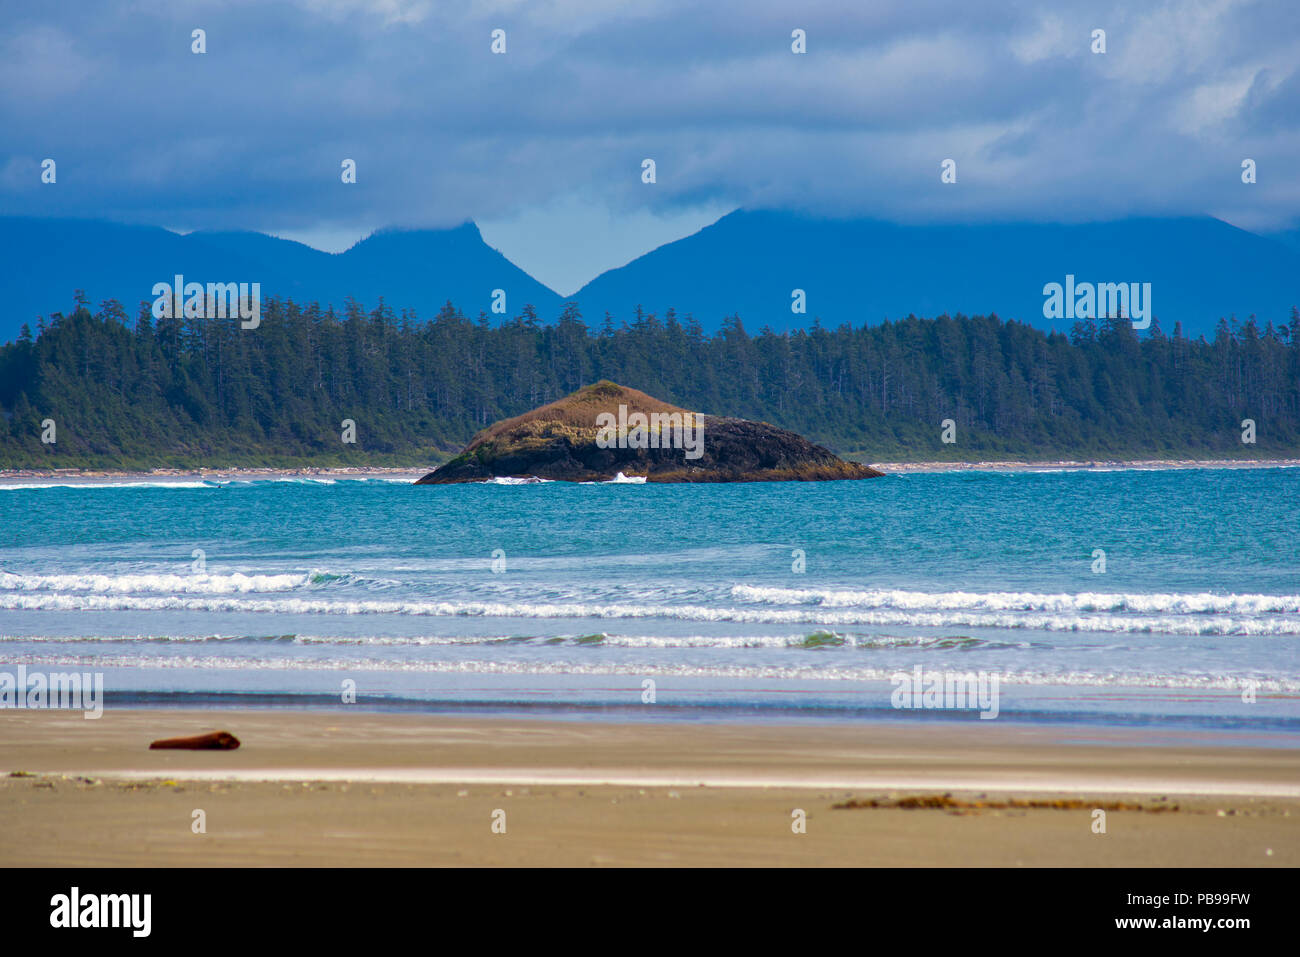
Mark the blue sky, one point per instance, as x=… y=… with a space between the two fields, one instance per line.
x=543 y=145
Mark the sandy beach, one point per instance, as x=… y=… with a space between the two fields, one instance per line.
x=357 y=788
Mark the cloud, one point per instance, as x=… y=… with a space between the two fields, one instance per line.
x=387 y=12
x=251 y=134
x=40 y=64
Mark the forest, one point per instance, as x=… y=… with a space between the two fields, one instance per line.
x=146 y=393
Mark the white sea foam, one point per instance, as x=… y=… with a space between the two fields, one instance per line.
x=1216 y=684
x=1062 y=621
x=1061 y=611
x=1183 y=604
x=505 y=480
x=170 y=583
x=796 y=640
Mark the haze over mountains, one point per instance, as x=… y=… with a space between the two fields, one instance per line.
x=748 y=263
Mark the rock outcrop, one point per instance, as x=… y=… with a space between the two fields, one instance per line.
x=606 y=429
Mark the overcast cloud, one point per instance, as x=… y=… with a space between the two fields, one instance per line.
x=544 y=143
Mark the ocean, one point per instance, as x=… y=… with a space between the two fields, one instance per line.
x=1168 y=599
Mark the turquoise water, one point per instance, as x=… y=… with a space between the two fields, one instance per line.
x=604 y=593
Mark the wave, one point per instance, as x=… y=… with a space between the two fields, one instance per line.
x=1067 y=621
x=236 y=582
x=1211 y=683
x=815 y=605
x=817 y=639
x=619 y=479
x=172 y=583
x=1183 y=604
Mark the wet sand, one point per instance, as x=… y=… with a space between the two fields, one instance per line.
x=314 y=788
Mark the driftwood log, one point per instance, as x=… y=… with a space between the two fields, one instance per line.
x=213 y=741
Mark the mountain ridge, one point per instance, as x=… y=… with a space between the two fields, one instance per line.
x=48 y=259
x=748 y=263
x=861 y=270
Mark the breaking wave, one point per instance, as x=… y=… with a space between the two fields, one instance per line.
x=939 y=611
x=1210 y=683
x=1182 y=604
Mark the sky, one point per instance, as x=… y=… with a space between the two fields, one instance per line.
x=543 y=145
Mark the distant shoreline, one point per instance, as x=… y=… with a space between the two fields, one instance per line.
x=1098 y=465
x=164 y=476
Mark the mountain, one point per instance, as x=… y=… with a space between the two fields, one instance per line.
x=859 y=271
x=604 y=431
x=46 y=260
x=1289 y=238
x=748 y=263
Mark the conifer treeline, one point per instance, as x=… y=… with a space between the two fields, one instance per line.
x=206 y=392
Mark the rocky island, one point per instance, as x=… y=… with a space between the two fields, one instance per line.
x=606 y=429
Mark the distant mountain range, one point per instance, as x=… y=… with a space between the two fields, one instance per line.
x=46 y=260
x=748 y=263
x=855 y=271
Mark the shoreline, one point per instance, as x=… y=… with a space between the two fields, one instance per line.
x=169 y=476
x=166 y=476
x=360 y=789
x=1090 y=465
